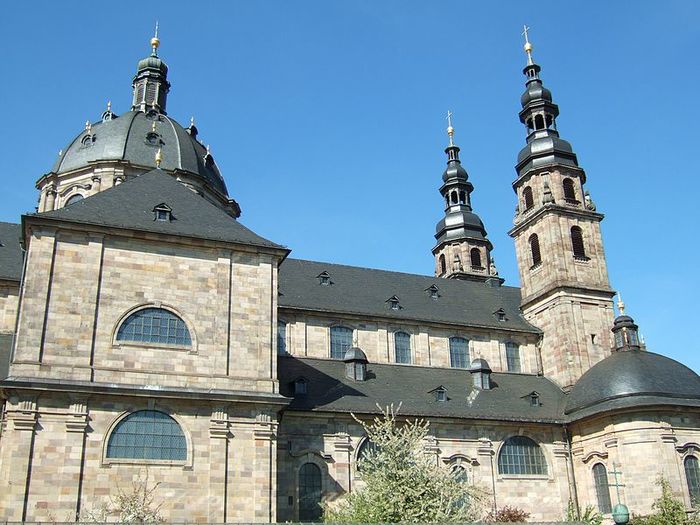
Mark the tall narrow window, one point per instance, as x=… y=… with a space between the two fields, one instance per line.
x=341 y=341
x=534 y=242
x=577 y=243
x=475 y=256
x=692 y=476
x=147 y=434
x=281 y=338
x=310 y=493
x=569 y=192
x=513 y=357
x=527 y=196
x=154 y=325
x=459 y=352
x=402 y=347
x=520 y=455
x=443 y=264
x=602 y=489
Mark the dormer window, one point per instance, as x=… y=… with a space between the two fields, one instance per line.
x=481 y=374
x=163 y=213
x=300 y=387
x=441 y=394
x=324 y=278
x=534 y=399
x=432 y=291
x=393 y=303
x=355 y=364
x=500 y=314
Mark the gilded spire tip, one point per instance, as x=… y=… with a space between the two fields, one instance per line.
x=528 y=45
x=450 y=129
x=155 y=42
x=191 y=121
x=159 y=158
x=620 y=304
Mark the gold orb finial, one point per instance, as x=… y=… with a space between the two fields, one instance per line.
x=528 y=45
x=155 y=41
x=159 y=158
x=620 y=304
x=450 y=129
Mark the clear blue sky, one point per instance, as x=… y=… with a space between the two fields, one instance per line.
x=327 y=120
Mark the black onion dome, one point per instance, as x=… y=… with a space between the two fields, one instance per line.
x=545 y=150
x=460 y=224
x=633 y=378
x=535 y=91
x=130 y=137
x=152 y=62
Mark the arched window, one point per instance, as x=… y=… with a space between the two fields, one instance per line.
x=462 y=197
x=281 y=338
x=520 y=455
x=577 y=243
x=443 y=264
x=341 y=341
x=602 y=489
x=534 y=242
x=475 y=255
x=513 y=357
x=453 y=197
x=147 y=434
x=402 y=347
x=459 y=352
x=73 y=199
x=569 y=192
x=692 y=476
x=154 y=325
x=310 y=493
x=527 y=197
x=460 y=474
x=539 y=122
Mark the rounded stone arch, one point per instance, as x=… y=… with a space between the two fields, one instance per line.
x=162 y=306
x=72 y=199
x=313 y=459
x=545 y=456
x=461 y=461
x=121 y=416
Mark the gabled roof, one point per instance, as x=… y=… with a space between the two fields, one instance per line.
x=328 y=390
x=364 y=292
x=10 y=251
x=130 y=206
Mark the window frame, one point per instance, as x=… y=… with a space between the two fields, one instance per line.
x=578 y=243
x=184 y=463
x=408 y=347
x=467 y=361
x=523 y=475
x=599 y=487
x=510 y=345
x=330 y=340
x=191 y=348
x=694 y=500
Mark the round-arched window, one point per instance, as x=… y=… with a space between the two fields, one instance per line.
x=521 y=456
x=147 y=434
x=73 y=199
x=692 y=477
x=310 y=493
x=154 y=325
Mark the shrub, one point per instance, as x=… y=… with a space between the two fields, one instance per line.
x=508 y=514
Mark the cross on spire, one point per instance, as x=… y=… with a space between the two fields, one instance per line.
x=528 y=45
x=450 y=129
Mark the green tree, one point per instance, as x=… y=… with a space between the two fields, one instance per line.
x=401 y=483
x=669 y=510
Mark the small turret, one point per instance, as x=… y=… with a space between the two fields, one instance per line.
x=625 y=331
x=151 y=84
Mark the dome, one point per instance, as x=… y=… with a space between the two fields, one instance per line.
x=480 y=364
x=543 y=149
x=152 y=62
x=460 y=224
x=355 y=354
x=535 y=91
x=454 y=170
x=131 y=138
x=633 y=378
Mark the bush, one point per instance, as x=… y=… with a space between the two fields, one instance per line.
x=508 y=514
x=669 y=510
x=589 y=515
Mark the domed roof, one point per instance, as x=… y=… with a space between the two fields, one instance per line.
x=543 y=149
x=480 y=364
x=460 y=224
x=131 y=138
x=152 y=62
x=535 y=91
x=454 y=170
x=355 y=354
x=633 y=378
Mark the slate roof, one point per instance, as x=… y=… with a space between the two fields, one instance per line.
x=633 y=378
x=413 y=386
x=124 y=138
x=365 y=291
x=10 y=251
x=5 y=350
x=130 y=205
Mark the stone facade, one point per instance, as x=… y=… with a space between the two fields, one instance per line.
x=9 y=300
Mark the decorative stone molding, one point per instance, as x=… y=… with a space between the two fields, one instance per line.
x=328 y=458
x=342 y=442
x=485 y=447
x=594 y=454
x=460 y=459
x=77 y=420
x=264 y=427
x=430 y=445
x=219 y=424
x=560 y=449
x=690 y=446
x=23 y=415
x=610 y=442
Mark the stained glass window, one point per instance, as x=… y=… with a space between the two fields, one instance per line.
x=154 y=325
x=459 y=352
x=147 y=434
x=341 y=341
x=520 y=455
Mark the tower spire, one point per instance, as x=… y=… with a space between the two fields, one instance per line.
x=528 y=45
x=155 y=42
x=462 y=250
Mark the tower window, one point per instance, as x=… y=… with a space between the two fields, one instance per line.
x=475 y=256
x=539 y=122
x=453 y=197
x=569 y=192
x=513 y=357
x=402 y=347
x=443 y=264
x=459 y=352
x=341 y=341
x=577 y=244
x=534 y=242
x=527 y=197
x=462 y=197
x=550 y=120
x=602 y=489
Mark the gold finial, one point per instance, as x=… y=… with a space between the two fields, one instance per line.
x=88 y=126
x=159 y=158
x=60 y=152
x=450 y=129
x=153 y=126
x=155 y=42
x=192 y=121
x=620 y=304
x=528 y=45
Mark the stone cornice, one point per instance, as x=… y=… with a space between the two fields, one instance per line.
x=566 y=286
x=557 y=209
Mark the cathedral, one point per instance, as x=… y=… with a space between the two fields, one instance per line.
x=145 y=333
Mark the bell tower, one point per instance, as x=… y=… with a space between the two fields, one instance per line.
x=462 y=250
x=558 y=243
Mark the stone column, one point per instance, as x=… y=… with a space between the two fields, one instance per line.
x=76 y=424
x=219 y=434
